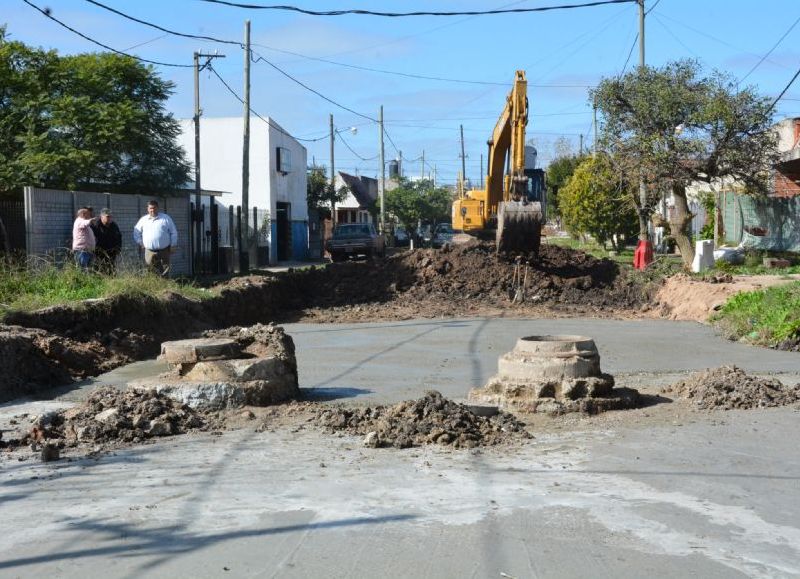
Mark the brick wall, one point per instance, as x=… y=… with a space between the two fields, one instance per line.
x=785 y=185
x=49 y=215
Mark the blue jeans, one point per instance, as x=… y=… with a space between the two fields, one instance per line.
x=83 y=259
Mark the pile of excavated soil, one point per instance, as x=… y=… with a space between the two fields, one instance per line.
x=110 y=416
x=729 y=387
x=468 y=280
x=432 y=419
x=684 y=297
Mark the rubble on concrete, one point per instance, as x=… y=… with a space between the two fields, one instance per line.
x=231 y=368
x=730 y=387
x=106 y=419
x=432 y=419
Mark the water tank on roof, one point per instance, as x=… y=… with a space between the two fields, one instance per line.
x=394 y=169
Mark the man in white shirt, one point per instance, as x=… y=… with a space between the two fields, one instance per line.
x=157 y=235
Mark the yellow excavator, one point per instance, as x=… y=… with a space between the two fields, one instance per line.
x=511 y=204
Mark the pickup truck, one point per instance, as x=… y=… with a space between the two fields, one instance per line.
x=351 y=239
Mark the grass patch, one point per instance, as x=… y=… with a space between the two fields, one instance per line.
x=759 y=269
x=24 y=288
x=764 y=317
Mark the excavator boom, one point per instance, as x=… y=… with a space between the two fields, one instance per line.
x=505 y=204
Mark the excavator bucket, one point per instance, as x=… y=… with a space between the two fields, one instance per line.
x=519 y=227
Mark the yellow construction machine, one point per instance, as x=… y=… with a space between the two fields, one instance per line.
x=510 y=206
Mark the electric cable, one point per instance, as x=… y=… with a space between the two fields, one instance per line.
x=675 y=36
x=241 y=100
x=385 y=132
x=300 y=55
x=419 y=13
x=763 y=58
x=783 y=92
x=308 y=88
x=346 y=144
x=98 y=43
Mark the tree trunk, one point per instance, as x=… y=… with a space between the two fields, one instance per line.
x=678 y=224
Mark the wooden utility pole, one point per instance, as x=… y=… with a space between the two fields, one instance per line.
x=198 y=225
x=333 y=176
x=244 y=253
x=463 y=159
x=382 y=182
x=594 y=124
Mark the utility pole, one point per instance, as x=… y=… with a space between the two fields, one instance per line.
x=399 y=163
x=198 y=225
x=333 y=176
x=580 y=147
x=463 y=159
x=422 y=167
x=382 y=182
x=435 y=175
x=594 y=124
x=644 y=253
x=244 y=256
x=481 y=170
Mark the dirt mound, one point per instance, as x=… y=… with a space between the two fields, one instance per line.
x=684 y=297
x=729 y=387
x=432 y=419
x=111 y=416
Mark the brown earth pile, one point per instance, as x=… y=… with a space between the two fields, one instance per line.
x=729 y=387
x=111 y=416
x=473 y=273
x=432 y=419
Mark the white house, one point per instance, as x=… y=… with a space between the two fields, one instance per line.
x=277 y=175
x=362 y=194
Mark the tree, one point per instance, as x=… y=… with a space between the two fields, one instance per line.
x=90 y=121
x=415 y=201
x=671 y=127
x=319 y=190
x=596 y=202
x=558 y=173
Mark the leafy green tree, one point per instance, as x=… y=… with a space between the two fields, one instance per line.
x=418 y=201
x=558 y=173
x=672 y=126
x=595 y=201
x=320 y=194
x=90 y=121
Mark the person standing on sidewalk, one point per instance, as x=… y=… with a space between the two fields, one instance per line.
x=157 y=235
x=108 y=240
x=83 y=240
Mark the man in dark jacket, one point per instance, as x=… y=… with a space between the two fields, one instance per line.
x=108 y=242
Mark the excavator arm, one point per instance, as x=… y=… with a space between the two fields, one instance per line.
x=503 y=205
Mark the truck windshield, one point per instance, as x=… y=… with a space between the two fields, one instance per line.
x=354 y=230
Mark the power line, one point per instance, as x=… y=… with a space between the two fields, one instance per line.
x=346 y=144
x=630 y=52
x=241 y=100
x=649 y=10
x=674 y=36
x=304 y=56
x=308 y=88
x=98 y=43
x=420 y=13
x=783 y=92
x=763 y=58
x=385 y=132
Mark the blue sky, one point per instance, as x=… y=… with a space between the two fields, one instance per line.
x=562 y=51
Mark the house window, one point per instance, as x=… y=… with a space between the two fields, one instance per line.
x=284 y=160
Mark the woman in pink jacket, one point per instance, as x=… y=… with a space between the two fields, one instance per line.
x=83 y=240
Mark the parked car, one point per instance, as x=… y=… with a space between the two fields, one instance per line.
x=351 y=239
x=401 y=237
x=442 y=234
x=425 y=234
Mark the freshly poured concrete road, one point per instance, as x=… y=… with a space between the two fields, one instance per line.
x=710 y=495
x=393 y=361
